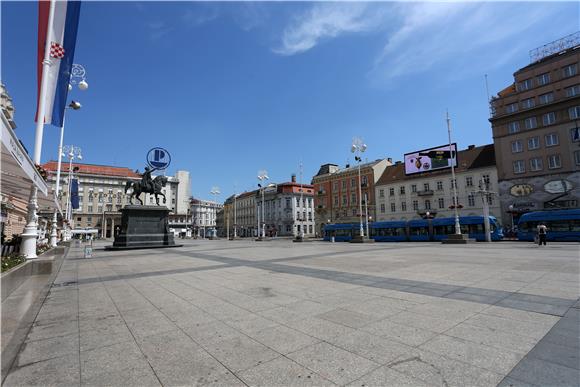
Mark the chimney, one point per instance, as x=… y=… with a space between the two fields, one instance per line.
x=471 y=147
x=390 y=160
x=293 y=178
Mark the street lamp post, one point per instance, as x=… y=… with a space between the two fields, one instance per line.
x=262 y=176
x=235 y=213
x=358 y=147
x=367 y=215
x=72 y=152
x=453 y=158
x=53 y=235
x=216 y=192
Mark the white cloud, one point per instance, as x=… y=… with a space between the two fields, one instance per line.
x=431 y=34
x=328 y=20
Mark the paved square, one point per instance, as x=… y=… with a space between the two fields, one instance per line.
x=277 y=313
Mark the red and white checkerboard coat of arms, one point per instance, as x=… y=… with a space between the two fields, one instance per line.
x=56 y=50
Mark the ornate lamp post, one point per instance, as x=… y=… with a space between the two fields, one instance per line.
x=453 y=158
x=215 y=191
x=262 y=176
x=358 y=147
x=72 y=152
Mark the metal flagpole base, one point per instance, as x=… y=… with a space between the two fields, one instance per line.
x=54 y=233
x=30 y=233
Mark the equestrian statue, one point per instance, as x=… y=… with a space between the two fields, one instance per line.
x=147 y=185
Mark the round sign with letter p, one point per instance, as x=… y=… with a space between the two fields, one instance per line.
x=158 y=158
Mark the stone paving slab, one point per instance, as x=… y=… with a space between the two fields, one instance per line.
x=228 y=313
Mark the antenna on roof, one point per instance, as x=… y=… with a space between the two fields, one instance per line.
x=488 y=98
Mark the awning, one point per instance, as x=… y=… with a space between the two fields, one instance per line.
x=18 y=170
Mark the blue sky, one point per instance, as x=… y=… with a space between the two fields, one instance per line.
x=232 y=88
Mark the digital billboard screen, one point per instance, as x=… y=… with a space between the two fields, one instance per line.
x=431 y=159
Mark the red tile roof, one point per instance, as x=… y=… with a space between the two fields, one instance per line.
x=92 y=169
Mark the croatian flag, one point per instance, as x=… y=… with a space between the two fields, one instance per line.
x=63 y=33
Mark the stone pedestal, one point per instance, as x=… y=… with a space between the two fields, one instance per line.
x=143 y=227
x=458 y=239
x=359 y=239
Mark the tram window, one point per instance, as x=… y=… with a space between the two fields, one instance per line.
x=561 y=225
x=575 y=225
x=419 y=231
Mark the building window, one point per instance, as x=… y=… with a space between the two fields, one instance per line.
x=354 y=212
x=469 y=181
x=381 y=193
x=573 y=91
x=335 y=186
x=554 y=162
x=427 y=204
x=513 y=127
x=519 y=166
x=393 y=208
x=528 y=103
x=533 y=143
x=391 y=192
x=426 y=187
x=517 y=146
x=403 y=206
x=415 y=205
x=439 y=186
x=441 y=202
x=536 y=164
x=353 y=199
x=402 y=190
x=575 y=134
x=546 y=98
x=353 y=182
x=577 y=157
x=525 y=84
x=344 y=184
x=486 y=180
x=549 y=118
x=574 y=112
x=336 y=200
x=531 y=123
x=552 y=139
x=364 y=180
x=344 y=201
x=413 y=188
x=569 y=71
x=511 y=108
x=470 y=200
x=453 y=183
x=543 y=79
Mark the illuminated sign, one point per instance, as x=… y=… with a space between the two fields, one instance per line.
x=431 y=159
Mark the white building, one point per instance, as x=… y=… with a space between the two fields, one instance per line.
x=401 y=197
x=203 y=216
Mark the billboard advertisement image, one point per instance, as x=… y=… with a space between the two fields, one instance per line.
x=431 y=159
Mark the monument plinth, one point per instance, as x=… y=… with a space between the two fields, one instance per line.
x=143 y=227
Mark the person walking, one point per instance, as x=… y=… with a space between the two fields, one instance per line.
x=542 y=232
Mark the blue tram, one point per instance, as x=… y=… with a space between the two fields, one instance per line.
x=563 y=225
x=416 y=230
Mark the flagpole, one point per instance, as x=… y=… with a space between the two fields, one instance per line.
x=30 y=233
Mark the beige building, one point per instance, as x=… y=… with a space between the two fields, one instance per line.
x=246 y=214
x=102 y=195
x=535 y=123
x=402 y=197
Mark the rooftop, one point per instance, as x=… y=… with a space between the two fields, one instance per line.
x=93 y=169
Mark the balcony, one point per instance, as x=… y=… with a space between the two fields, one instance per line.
x=427 y=192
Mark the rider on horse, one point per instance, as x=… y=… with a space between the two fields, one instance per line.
x=146 y=180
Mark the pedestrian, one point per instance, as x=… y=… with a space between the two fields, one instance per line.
x=542 y=232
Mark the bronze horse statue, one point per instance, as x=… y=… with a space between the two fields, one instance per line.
x=155 y=188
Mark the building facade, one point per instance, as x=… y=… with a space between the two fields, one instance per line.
x=336 y=193
x=245 y=214
x=203 y=216
x=102 y=195
x=430 y=194
x=287 y=209
x=535 y=124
